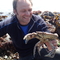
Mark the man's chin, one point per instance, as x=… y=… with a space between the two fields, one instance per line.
x=27 y=21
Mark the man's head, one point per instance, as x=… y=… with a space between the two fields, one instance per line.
x=15 y=3
x=23 y=10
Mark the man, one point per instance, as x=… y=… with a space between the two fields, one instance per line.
x=22 y=23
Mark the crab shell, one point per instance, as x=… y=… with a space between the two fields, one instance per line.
x=46 y=35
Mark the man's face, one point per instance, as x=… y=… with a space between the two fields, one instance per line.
x=24 y=11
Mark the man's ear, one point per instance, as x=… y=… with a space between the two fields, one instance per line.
x=15 y=12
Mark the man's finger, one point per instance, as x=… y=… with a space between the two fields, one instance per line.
x=48 y=46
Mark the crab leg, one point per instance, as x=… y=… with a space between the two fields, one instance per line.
x=39 y=47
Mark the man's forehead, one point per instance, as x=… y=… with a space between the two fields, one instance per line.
x=23 y=0
x=23 y=3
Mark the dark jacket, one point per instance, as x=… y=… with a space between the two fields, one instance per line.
x=11 y=27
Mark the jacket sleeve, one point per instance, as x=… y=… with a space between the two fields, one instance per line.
x=42 y=25
x=3 y=28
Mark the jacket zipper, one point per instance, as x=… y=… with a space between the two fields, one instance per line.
x=30 y=27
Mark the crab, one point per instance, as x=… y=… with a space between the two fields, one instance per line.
x=43 y=38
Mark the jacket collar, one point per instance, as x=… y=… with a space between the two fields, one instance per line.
x=31 y=23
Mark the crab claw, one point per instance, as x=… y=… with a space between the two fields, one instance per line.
x=26 y=38
x=29 y=37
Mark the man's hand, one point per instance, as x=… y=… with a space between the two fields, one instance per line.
x=54 y=43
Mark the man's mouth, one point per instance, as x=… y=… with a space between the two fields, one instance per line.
x=26 y=17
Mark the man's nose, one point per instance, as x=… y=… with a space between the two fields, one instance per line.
x=27 y=13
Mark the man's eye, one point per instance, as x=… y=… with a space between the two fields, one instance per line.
x=30 y=9
x=23 y=11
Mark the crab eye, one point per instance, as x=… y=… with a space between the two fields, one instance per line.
x=30 y=36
